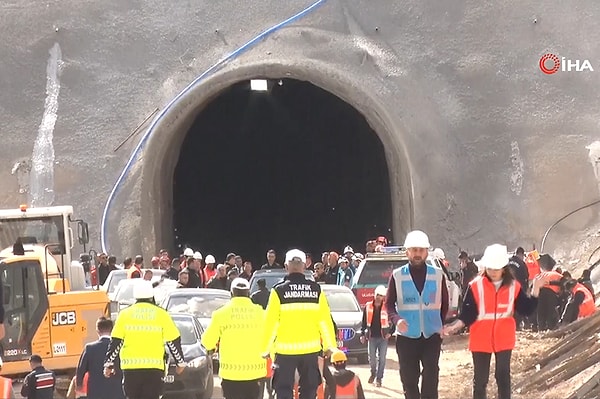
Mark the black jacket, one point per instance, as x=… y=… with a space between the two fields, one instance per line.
x=39 y=384
x=520 y=271
x=92 y=362
x=261 y=297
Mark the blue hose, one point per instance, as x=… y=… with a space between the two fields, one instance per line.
x=196 y=81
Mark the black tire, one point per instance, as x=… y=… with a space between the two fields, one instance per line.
x=208 y=391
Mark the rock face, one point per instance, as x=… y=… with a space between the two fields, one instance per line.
x=481 y=145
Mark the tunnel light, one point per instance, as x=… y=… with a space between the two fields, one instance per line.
x=258 y=85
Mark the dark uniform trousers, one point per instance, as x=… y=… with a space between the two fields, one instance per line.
x=143 y=383
x=547 y=310
x=412 y=353
x=240 y=389
x=285 y=373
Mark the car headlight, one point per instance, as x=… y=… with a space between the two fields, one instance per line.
x=198 y=362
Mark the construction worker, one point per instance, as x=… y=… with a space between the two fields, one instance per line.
x=416 y=303
x=39 y=384
x=488 y=308
x=581 y=302
x=6 y=388
x=376 y=330
x=139 y=336
x=343 y=383
x=135 y=270
x=298 y=326
x=241 y=366
x=519 y=269
x=548 y=303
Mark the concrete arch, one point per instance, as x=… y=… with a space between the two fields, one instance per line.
x=161 y=153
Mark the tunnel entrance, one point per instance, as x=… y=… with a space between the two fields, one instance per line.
x=294 y=166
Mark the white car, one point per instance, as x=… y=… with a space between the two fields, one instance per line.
x=123 y=295
x=116 y=276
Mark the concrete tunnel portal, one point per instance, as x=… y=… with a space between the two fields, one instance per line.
x=247 y=170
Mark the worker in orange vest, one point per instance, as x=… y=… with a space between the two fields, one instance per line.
x=6 y=387
x=488 y=308
x=533 y=267
x=135 y=270
x=581 y=303
x=344 y=383
x=549 y=301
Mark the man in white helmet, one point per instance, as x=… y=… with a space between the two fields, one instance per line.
x=139 y=337
x=416 y=302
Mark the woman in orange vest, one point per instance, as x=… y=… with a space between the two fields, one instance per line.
x=488 y=308
x=581 y=303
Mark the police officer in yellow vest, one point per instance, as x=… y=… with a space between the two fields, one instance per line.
x=417 y=303
x=139 y=336
x=241 y=366
x=298 y=327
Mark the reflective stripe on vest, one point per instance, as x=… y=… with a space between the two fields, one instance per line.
x=349 y=391
x=383 y=316
x=422 y=312
x=588 y=306
x=483 y=314
x=6 y=387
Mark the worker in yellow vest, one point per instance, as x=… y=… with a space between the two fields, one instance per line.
x=241 y=366
x=6 y=388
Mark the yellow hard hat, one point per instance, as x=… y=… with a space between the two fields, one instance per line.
x=338 y=357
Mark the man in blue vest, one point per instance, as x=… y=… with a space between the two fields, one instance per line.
x=417 y=303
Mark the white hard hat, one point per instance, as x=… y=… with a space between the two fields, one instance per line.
x=416 y=239
x=348 y=249
x=197 y=255
x=381 y=290
x=188 y=252
x=439 y=253
x=143 y=290
x=495 y=257
x=210 y=259
x=240 y=283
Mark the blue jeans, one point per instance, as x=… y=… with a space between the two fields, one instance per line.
x=377 y=353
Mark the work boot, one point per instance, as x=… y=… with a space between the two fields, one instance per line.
x=371 y=379
x=378 y=384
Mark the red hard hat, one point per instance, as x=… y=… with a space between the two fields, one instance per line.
x=155 y=259
x=165 y=259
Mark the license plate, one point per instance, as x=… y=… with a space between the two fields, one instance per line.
x=340 y=344
x=169 y=379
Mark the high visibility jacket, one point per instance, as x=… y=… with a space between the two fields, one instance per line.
x=349 y=391
x=230 y=326
x=6 y=388
x=421 y=311
x=385 y=324
x=553 y=276
x=588 y=306
x=298 y=318
x=495 y=328
x=144 y=329
x=131 y=270
x=533 y=267
x=82 y=390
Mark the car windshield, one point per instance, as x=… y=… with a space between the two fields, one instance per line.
x=39 y=230
x=186 y=329
x=200 y=306
x=378 y=272
x=340 y=301
x=271 y=279
x=115 y=280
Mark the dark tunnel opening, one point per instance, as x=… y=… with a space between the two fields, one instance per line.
x=292 y=167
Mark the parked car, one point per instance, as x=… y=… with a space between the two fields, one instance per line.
x=347 y=316
x=272 y=277
x=377 y=268
x=123 y=295
x=196 y=381
x=116 y=276
x=199 y=302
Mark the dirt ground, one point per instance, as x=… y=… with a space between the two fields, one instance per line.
x=456 y=372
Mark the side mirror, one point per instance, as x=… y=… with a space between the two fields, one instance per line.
x=83 y=235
